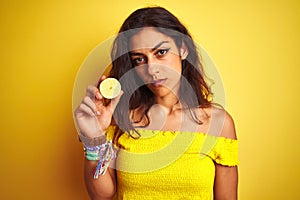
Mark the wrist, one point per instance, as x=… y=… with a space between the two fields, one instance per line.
x=95 y=141
x=103 y=154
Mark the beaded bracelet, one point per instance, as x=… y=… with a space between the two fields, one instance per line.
x=103 y=154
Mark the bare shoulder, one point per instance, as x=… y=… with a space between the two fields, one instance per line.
x=226 y=122
x=221 y=122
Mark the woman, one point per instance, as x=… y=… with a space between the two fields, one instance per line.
x=174 y=143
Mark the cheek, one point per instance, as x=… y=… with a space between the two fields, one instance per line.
x=174 y=65
x=141 y=72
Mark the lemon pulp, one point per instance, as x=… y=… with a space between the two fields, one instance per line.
x=110 y=88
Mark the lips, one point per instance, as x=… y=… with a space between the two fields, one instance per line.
x=158 y=82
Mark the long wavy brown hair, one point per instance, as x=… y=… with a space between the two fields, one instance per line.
x=136 y=95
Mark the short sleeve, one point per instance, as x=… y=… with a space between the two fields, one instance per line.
x=225 y=152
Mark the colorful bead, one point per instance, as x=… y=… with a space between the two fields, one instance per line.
x=103 y=153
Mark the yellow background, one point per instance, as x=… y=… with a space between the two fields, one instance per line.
x=255 y=45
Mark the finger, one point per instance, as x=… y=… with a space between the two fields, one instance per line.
x=93 y=92
x=91 y=104
x=114 y=102
x=85 y=109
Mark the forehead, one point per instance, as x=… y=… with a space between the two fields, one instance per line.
x=148 y=37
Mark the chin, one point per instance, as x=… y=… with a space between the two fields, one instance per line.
x=161 y=91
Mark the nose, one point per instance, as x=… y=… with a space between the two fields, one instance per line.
x=152 y=67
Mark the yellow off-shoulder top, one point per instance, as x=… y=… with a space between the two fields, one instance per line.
x=170 y=165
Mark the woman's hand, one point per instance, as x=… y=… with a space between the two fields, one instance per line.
x=92 y=116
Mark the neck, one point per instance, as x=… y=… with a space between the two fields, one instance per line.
x=169 y=102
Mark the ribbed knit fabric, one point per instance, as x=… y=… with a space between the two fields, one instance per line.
x=171 y=165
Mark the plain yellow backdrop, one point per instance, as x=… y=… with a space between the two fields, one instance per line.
x=255 y=45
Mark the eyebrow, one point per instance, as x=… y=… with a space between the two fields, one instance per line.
x=153 y=49
x=158 y=45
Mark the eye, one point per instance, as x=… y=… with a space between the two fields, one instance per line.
x=138 y=61
x=162 y=52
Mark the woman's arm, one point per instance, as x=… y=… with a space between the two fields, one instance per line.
x=226 y=178
x=102 y=188
x=92 y=119
x=226 y=183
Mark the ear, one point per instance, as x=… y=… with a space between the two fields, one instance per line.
x=184 y=52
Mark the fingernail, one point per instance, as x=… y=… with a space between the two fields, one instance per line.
x=97 y=112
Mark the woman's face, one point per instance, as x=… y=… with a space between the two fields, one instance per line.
x=157 y=61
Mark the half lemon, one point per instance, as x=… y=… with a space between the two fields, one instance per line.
x=110 y=88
